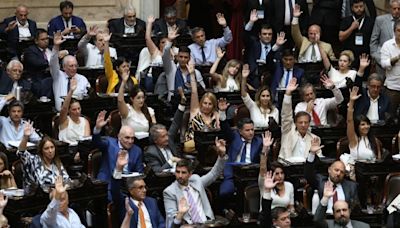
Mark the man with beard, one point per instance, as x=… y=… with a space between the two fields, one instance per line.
x=341 y=212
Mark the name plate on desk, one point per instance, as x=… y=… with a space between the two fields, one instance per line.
x=246 y=170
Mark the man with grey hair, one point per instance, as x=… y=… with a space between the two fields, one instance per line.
x=128 y=24
x=163 y=154
x=169 y=23
x=62 y=79
x=12 y=78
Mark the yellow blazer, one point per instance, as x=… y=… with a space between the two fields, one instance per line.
x=111 y=74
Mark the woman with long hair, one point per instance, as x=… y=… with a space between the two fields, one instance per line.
x=6 y=177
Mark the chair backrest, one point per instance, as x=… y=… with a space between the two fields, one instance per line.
x=101 y=84
x=115 y=123
x=242 y=112
x=391 y=188
x=252 y=197
x=17 y=170
x=94 y=162
x=395 y=145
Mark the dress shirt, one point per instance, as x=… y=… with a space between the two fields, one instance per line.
x=51 y=217
x=46 y=53
x=92 y=55
x=247 y=150
x=288 y=16
x=389 y=50
x=196 y=197
x=340 y=195
x=167 y=155
x=282 y=83
x=308 y=53
x=264 y=52
x=67 y=24
x=129 y=28
x=23 y=30
x=373 y=114
x=145 y=213
x=299 y=149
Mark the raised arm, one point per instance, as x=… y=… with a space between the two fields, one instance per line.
x=122 y=106
x=218 y=167
x=149 y=42
x=295 y=28
x=194 y=97
x=364 y=63
x=245 y=75
x=286 y=114
x=54 y=65
x=28 y=131
x=64 y=109
x=108 y=66
x=49 y=216
x=338 y=96
x=215 y=76
x=351 y=134
x=85 y=40
x=227 y=38
x=126 y=223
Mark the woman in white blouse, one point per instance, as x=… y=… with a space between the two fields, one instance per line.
x=231 y=76
x=262 y=109
x=339 y=77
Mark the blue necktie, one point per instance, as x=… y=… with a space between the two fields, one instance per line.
x=266 y=46
x=243 y=156
x=287 y=78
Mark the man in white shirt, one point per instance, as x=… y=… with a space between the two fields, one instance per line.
x=318 y=107
x=93 y=54
x=128 y=24
x=61 y=79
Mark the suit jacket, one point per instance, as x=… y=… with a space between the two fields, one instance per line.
x=317 y=181
x=153 y=155
x=34 y=61
x=117 y=26
x=321 y=222
x=173 y=193
x=326 y=12
x=6 y=83
x=382 y=32
x=265 y=215
x=160 y=27
x=110 y=148
x=363 y=103
x=157 y=220
x=277 y=14
x=278 y=74
x=255 y=4
x=57 y=24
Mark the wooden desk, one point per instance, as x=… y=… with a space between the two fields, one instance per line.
x=203 y=140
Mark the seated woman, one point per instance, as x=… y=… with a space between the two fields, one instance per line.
x=262 y=109
x=41 y=169
x=203 y=114
x=114 y=71
x=339 y=77
x=362 y=144
x=137 y=115
x=6 y=177
x=231 y=76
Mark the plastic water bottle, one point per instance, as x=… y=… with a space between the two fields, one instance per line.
x=315 y=202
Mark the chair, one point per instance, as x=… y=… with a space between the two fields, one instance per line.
x=101 y=84
x=395 y=144
x=276 y=147
x=115 y=123
x=242 y=112
x=94 y=162
x=55 y=123
x=391 y=188
x=17 y=169
x=342 y=146
x=252 y=197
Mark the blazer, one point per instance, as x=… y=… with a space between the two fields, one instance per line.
x=6 y=83
x=118 y=199
x=278 y=74
x=57 y=24
x=326 y=12
x=110 y=148
x=321 y=222
x=302 y=43
x=382 y=32
x=34 y=61
x=117 y=26
x=277 y=14
x=173 y=193
x=317 y=181
x=265 y=219
x=153 y=156
x=160 y=27
x=363 y=103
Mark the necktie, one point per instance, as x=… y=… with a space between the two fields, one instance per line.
x=141 y=216
x=69 y=84
x=166 y=153
x=203 y=55
x=287 y=77
x=317 y=121
x=194 y=213
x=243 y=156
x=266 y=47
x=335 y=196
x=44 y=54
x=313 y=53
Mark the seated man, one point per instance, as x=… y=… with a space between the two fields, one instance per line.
x=57 y=213
x=111 y=147
x=317 y=108
x=12 y=127
x=163 y=153
x=191 y=187
x=62 y=79
x=341 y=211
x=12 y=78
x=345 y=189
x=17 y=28
x=144 y=208
x=373 y=103
x=308 y=47
x=170 y=22
x=93 y=54
x=296 y=139
x=202 y=50
x=129 y=24
x=66 y=23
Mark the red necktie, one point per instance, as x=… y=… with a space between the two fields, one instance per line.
x=317 y=121
x=335 y=196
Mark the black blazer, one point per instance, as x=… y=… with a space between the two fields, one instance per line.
x=34 y=61
x=117 y=26
x=6 y=84
x=160 y=26
x=277 y=14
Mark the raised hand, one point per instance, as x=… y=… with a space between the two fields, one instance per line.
x=125 y=75
x=93 y=30
x=183 y=206
x=151 y=19
x=101 y=121
x=328 y=190
x=222 y=104
x=245 y=71
x=11 y=25
x=9 y=97
x=107 y=36
x=354 y=93
x=58 y=39
x=220 y=144
x=220 y=53
x=315 y=145
x=128 y=208
x=296 y=11
x=60 y=189
x=173 y=34
x=280 y=39
x=121 y=159
x=327 y=82
x=310 y=106
x=267 y=139
x=66 y=31
x=28 y=129
x=191 y=68
x=269 y=181
x=6 y=173
x=253 y=15
x=364 y=61
x=74 y=84
x=292 y=86
x=221 y=19
x=3 y=201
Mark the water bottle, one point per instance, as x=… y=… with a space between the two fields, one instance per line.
x=315 y=202
x=18 y=93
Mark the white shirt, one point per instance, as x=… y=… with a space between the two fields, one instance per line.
x=129 y=28
x=339 y=79
x=137 y=120
x=287 y=12
x=264 y=52
x=51 y=217
x=285 y=200
x=299 y=149
x=340 y=196
x=260 y=119
x=145 y=213
x=247 y=150
x=282 y=83
x=373 y=114
x=363 y=150
x=23 y=30
x=92 y=54
x=48 y=53
x=199 y=205
x=306 y=58
x=389 y=50
x=231 y=85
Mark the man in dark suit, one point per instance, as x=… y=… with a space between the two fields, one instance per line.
x=145 y=209
x=12 y=78
x=163 y=153
x=113 y=147
x=345 y=189
x=17 y=28
x=169 y=22
x=262 y=9
x=341 y=212
x=129 y=24
x=67 y=23
x=373 y=103
x=327 y=15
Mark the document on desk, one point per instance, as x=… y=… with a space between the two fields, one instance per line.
x=16 y=144
x=394 y=205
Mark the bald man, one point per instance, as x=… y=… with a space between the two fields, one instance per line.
x=341 y=212
x=345 y=189
x=16 y=28
x=111 y=147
